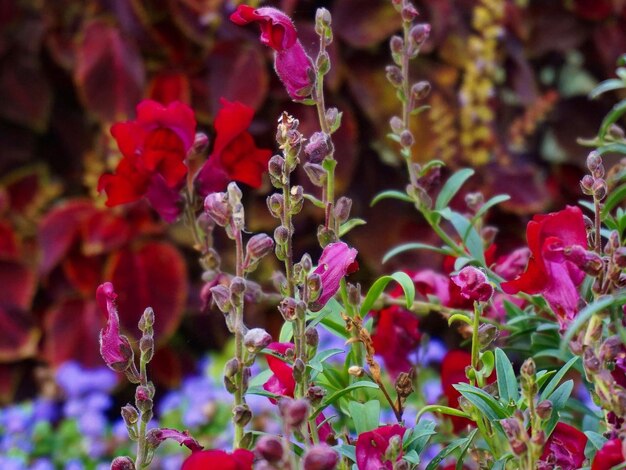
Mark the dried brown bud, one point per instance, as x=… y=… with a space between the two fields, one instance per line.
x=591 y=361
x=315 y=394
x=404 y=385
x=287 y=308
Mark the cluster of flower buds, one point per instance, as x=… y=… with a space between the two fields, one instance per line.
x=594 y=183
x=474 y=284
x=616 y=260
x=226 y=209
x=424 y=180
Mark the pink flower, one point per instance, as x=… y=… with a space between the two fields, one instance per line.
x=611 y=455
x=371 y=447
x=240 y=459
x=337 y=261
x=115 y=349
x=154 y=147
x=565 y=449
x=235 y=156
x=555 y=277
x=156 y=436
x=291 y=62
x=473 y=284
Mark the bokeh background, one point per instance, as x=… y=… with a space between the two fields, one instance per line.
x=510 y=80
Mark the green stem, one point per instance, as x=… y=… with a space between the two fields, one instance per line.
x=239 y=392
x=475 y=342
x=141 y=438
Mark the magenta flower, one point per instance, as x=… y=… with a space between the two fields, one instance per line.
x=337 y=261
x=565 y=449
x=371 y=447
x=115 y=349
x=156 y=436
x=610 y=456
x=473 y=284
x=240 y=459
x=291 y=62
x=554 y=276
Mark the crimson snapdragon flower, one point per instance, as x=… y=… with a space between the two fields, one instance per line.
x=555 y=277
x=337 y=261
x=240 y=459
x=283 y=384
x=154 y=147
x=371 y=447
x=565 y=449
x=611 y=455
x=235 y=156
x=293 y=65
x=115 y=348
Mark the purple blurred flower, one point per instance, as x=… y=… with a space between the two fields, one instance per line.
x=77 y=381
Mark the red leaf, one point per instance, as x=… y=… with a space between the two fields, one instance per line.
x=152 y=276
x=59 y=229
x=72 y=329
x=365 y=24
x=83 y=272
x=109 y=71
x=9 y=247
x=238 y=73
x=18 y=334
x=103 y=232
x=18 y=285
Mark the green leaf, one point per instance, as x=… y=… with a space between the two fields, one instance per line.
x=347 y=451
x=391 y=194
x=616 y=112
x=259 y=379
x=454 y=445
x=420 y=110
x=597 y=440
x=471 y=239
x=349 y=225
x=606 y=85
x=487 y=404
x=365 y=416
x=452 y=186
x=414 y=246
x=554 y=382
x=464 y=448
x=495 y=200
x=615 y=197
x=262 y=392
x=417 y=437
x=329 y=400
x=558 y=398
x=286 y=332
x=507 y=382
x=316 y=202
x=614 y=147
x=501 y=463
x=378 y=287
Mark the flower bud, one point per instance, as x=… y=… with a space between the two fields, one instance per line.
x=342 y=209
x=146 y=347
x=297 y=199
x=322 y=17
x=146 y=322
x=242 y=415
x=312 y=337
x=130 y=415
x=315 y=394
x=122 y=463
x=420 y=90
x=544 y=409
x=306 y=262
x=354 y=294
x=406 y=138
x=404 y=385
x=259 y=245
x=333 y=118
x=594 y=160
x=294 y=412
x=619 y=257
x=275 y=204
x=231 y=368
x=269 y=448
x=599 y=189
x=200 y=144
x=409 y=13
x=256 y=339
x=326 y=236
x=316 y=173
x=356 y=371
x=320 y=457
x=588 y=261
x=394 y=75
x=610 y=348
x=221 y=296
x=217 y=207
x=591 y=361
x=586 y=184
x=396 y=124
x=281 y=234
x=314 y=283
x=298 y=369
x=487 y=334
x=275 y=166
x=528 y=368
x=143 y=400
x=474 y=201
x=318 y=148
x=419 y=33
x=396 y=44
x=287 y=308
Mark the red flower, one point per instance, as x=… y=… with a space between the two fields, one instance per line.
x=611 y=454
x=114 y=348
x=396 y=336
x=371 y=447
x=337 y=261
x=282 y=383
x=154 y=148
x=235 y=156
x=453 y=372
x=240 y=459
x=156 y=436
x=557 y=278
x=291 y=62
x=619 y=372
x=565 y=449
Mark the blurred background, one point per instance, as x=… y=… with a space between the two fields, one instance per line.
x=510 y=80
